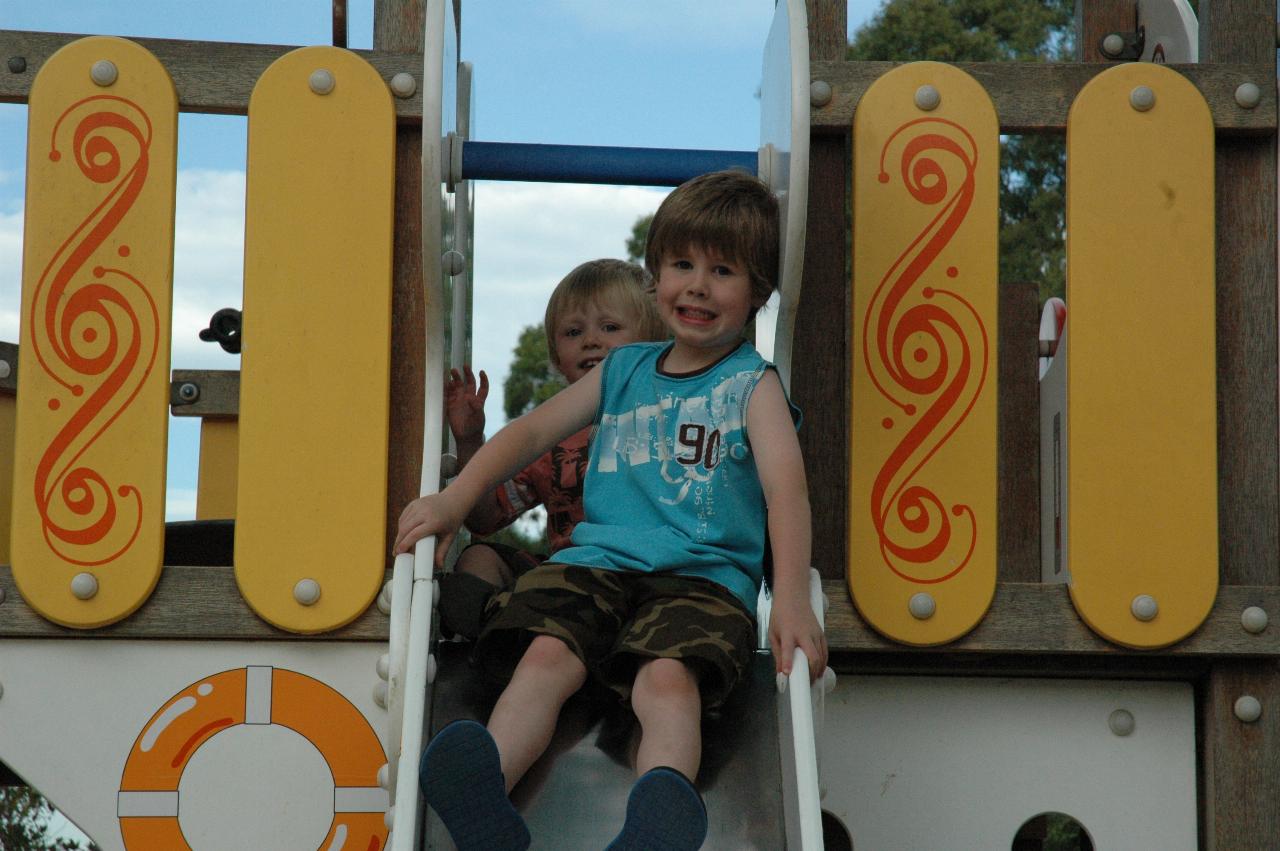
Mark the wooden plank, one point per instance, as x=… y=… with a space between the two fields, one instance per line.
x=1141 y=443
x=188 y=602
x=1018 y=449
x=217 y=77
x=1096 y=19
x=219 y=466
x=822 y=351
x=1241 y=761
x=1246 y=307
x=89 y=470
x=217 y=393
x=398 y=26
x=828 y=28
x=312 y=500
x=924 y=382
x=210 y=76
x=1035 y=96
x=9 y=372
x=1038 y=618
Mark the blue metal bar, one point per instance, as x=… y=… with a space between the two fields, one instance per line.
x=589 y=164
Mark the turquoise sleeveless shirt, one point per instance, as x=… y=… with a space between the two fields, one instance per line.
x=671 y=480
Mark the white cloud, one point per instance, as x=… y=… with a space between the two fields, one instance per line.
x=528 y=236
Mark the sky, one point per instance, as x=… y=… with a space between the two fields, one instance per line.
x=557 y=71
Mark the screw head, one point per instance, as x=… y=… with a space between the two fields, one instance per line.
x=1113 y=45
x=84 y=586
x=380 y=694
x=5 y=369
x=1254 y=619
x=922 y=606
x=188 y=391
x=104 y=72
x=17 y=64
x=403 y=85
x=321 y=81
x=453 y=262
x=1144 y=607
x=307 y=592
x=1248 y=708
x=1248 y=95
x=820 y=93
x=383 y=666
x=1121 y=722
x=927 y=98
x=1142 y=98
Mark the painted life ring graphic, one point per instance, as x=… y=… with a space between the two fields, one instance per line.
x=147 y=804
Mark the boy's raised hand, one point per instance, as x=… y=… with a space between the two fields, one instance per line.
x=793 y=624
x=435 y=514
x=464 y=403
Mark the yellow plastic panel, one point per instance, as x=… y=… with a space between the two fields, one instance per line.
x=311 y=498
x=219 y=448
x=92 y=406
x=7 y=410
x=1142 y=480
x=922 y=496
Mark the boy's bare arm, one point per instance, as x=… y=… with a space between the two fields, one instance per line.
x=792 y=623
x=511 y=450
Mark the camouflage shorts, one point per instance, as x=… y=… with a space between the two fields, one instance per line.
x=614 y=621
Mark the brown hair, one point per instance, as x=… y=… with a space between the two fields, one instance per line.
x=623 y=286
x=729 y=212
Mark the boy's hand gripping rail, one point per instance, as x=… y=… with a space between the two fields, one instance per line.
x=803 y=702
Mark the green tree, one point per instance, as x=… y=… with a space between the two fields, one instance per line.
x=1032 y=167
x=24 y=822
x=530 y=380
x=639 y=236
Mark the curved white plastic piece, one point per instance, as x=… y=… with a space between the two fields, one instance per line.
x=409 y=703
x=786 y=127
x=804 y=741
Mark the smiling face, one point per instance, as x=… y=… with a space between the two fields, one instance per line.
x=706 y=301
x=586 y=333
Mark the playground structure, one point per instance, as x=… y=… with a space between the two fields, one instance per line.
x=976 y=692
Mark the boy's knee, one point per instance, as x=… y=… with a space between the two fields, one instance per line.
x=484 y=563
x=665 y=679
x=548 y=653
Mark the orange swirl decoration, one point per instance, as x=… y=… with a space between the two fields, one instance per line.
x=95 y=332
x=925 y=350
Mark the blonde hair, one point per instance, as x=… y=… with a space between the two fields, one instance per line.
x=729 y=212
x=622 y=286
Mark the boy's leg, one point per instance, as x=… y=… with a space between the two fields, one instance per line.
x=668 y=705
x=524 y=718
x=482 y=570
x=461 y=779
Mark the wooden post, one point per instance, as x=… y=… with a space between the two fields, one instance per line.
x=821 y=351
x=1248 y=506
x=1096 y=19
x=397 y=25
x=1241 y=760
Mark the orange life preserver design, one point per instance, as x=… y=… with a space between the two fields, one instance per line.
x=147 y=804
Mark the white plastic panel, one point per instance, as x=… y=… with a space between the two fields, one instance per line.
x=929 y=763
x=73 y=711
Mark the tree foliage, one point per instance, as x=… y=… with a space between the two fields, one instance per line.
x=24 y=822
x=531 y=380
x=639 y=236
x=1032 y=168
